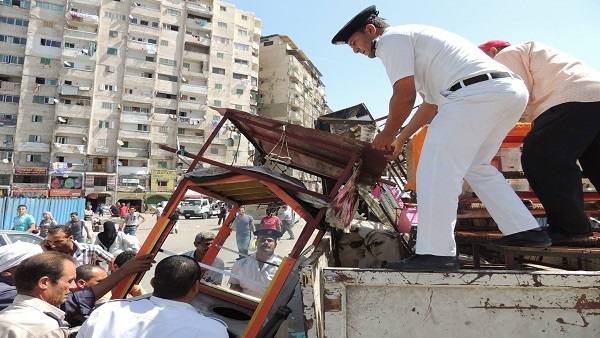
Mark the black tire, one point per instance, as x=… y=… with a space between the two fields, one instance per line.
x=187 y=216
x=205 y=215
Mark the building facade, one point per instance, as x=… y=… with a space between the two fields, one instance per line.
x=290 y=89
x=90 y=89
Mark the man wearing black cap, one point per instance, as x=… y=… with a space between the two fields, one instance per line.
x=260 y=267
x=471 y=103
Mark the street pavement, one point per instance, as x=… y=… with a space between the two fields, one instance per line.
x=184 y=241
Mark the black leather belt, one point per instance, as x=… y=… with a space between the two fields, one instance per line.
x=477 y=79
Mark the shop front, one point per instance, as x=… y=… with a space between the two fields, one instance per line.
x=66 y=185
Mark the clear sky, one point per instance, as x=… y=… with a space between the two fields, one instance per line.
x=572 y=26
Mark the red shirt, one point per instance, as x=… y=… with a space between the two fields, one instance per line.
x=271 y=222
x=123 y=210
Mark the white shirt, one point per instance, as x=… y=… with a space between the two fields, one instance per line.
x=248 y=267
x=436 y=58
x=153 y=317
x=287 y=215
x=30 y=317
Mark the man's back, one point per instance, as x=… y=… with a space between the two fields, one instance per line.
x=153 y=317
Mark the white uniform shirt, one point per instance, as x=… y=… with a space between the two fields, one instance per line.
x=30 y=317
x=249 y=268
x=436 y=58
x=153 y=317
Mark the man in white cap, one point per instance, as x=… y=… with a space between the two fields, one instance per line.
x=471 y=103
x=11 y=256
x=261 y=266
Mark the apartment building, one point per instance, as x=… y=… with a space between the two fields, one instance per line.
x=93 y=87
x=290 y=88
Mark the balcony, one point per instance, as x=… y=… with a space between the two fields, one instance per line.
x=136 y=30
x=191 y=139
x=89 y=19
x=83 y=73
x=133 y=153
x=198 y=24
x=196 y=56
x=199 y=40
x=69 y=148
x=295 y=76
x=137 y=98
x=165 y=86
x=73 y=110
x=7 y=145
x=70 y=129
x=184 y=122
x=134 y=135
x=6 y=168
x=78 y=54
x=296 y=88
x=295 y=103
x=145 y=47
x=193 y=105
x=79 y=34
x=186 y=88
x=131 y=170
x=101 y=168
x=160 y=102
x=196 y=74
x=138 y=81
x=132 y=117
x=75 y=90
x=10 y=87
x=199 y=8
x=141 y=64
x=95 y=3
x=138 y=11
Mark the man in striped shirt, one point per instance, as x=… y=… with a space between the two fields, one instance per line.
x=60 y=238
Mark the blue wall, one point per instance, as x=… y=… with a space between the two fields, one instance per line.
x=61 y=208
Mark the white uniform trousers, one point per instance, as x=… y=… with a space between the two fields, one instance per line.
x=461 y=142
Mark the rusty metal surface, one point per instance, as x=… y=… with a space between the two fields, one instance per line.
x=381 y=303
x=313 y=151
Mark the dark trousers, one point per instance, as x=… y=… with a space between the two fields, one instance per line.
x=559 y=137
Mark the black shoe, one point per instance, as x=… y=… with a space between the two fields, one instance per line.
x=559 y=237
x=426 y=263
x=528 y=238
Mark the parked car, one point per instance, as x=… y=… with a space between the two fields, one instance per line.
x=196 y=208
x=11 y=236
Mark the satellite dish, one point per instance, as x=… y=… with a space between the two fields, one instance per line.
x=120 y=143
x=131 y=17
x=62 y=119
x=55 y=101
x=4 y=160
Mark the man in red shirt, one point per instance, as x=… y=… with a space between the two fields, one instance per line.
x=270 y=221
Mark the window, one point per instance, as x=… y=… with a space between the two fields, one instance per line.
x=170 y=27
x=241 y=62
x=186 y=65
x=219 y=71
x=239 y=91
x=100 y=181
x=173 y=12
x=50 y=43
x=112 y=51
x=9 y=98
x=111 y=88
x=166 y=95
x=52 y=7
x=69 y=45
x=110 y=69
x=60 y=139
x=220 y=55
x=149 y=58
x=214 y=151
x=36 y=118
x=125 y=144
x=268 y=43
x=107 y=105
x=112 y=15
x=218 y=86
x=242 y=32
x=245 y=17
x=13 y=21
x=221 y=39
x=167 y=62
x=163 y=129
x=164 y=43
x=238 y=107
x=42 y=99
x=34 y=158
x=103 y=124
x=142 y=127
x=223 y=8
x=162 y=165
x=222 y=24
x=44 y=61
x=5 y=58
x=102 y=142
x=13 y=39
x=183 y=114
x=241 y=46
x=217 y=103
x=35 y=138
x=47 y=82
x=165 y=77
x=48 y=24
x=180 y=131
x=113 y=34
x=239 y=76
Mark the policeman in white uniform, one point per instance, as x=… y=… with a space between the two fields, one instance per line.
x=260 y=267
x=477 y=102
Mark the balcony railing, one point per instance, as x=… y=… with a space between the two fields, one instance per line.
x=186 y=88
x=193 y=38
x=133 y=63
x=70 y=129
x=133 y=152
x=73 y=110
x=79 y=34
x=8 y=87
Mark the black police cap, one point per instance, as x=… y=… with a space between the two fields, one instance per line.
x=268 y=232
x=353 y=25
